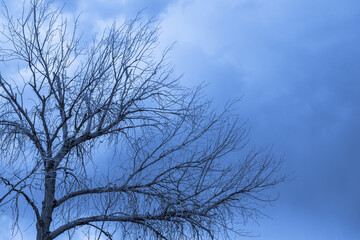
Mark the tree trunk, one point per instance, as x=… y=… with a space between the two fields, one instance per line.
x=43 y=226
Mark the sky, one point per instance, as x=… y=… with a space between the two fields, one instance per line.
x=296 y=65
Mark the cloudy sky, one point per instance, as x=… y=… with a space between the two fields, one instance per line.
x=296 y=65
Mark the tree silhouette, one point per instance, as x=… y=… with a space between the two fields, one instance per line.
x=179 y=169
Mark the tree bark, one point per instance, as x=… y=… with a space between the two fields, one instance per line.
x=43 y=226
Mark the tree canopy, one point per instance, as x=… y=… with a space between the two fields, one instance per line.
x=180 y=168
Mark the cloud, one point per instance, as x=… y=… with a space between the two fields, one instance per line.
x=296 y=63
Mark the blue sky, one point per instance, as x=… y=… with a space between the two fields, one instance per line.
x=297 y=66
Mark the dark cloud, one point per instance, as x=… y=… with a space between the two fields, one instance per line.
x=297 y=65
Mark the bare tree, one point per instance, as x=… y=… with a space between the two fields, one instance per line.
x=179 y=169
